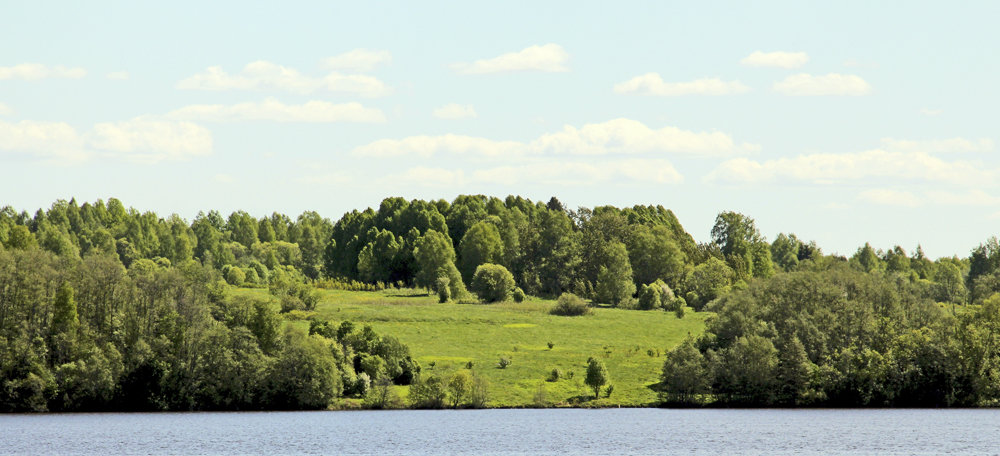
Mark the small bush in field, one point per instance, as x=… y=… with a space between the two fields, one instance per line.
x=570 y=305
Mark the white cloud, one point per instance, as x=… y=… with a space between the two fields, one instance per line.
x=360 y=60
x=653 y=84
x=930 y=112
x=49 y=140
x=939 y=145
x=804 y=84
x=274 y=110
x=974 y=197
x=872 y=164
x=138 y=140
x=118 y=75
x=426 y=146
x=618 y=136
x=546 y=172
x=550 y=58
x=455 y=111
x=5 y=110
x=36 y=71
x=150 y=141
x=263 y=75
x=776 y=59
x=889 y=197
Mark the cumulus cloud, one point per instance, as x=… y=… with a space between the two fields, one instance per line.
x=426 y=146
x=551 y=58
x=118 y=75
x=939 y=145
x=140 y=140
x=653 y=84
x=871 y=164
x=455 y=111
x=804 y=84
x=273 y=110
x=890 y=197
x=618 y=136
x=777 y=59
x=36 y=71
x=360 y=60
x=546 y=172
x=263 y=75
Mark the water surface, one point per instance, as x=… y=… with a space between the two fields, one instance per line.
x=547 y=431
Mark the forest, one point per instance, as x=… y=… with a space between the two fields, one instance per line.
x=104 y=307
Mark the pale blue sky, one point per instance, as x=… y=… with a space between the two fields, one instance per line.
x=843 y=122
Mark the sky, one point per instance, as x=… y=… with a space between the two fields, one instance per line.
x=842 y=122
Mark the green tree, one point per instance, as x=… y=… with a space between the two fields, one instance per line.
x=685 y=374
x=597 y=376
x=614 y=281
x=654 y=255
x=744 y=248
x=492 y=283
x=458 y=387
x=482 y=244
x=433 y=251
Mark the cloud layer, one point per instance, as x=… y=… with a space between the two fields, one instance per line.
x=837 y=168
x=359 y=60
x=36 y=71
x=653 y=84
x=273 y=110
x=776 y=59
x=804 y=84
x=264 y=75
x=550 y=58
x=455 y=111
x=618 y=136
x=138 y=140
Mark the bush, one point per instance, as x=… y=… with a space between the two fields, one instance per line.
x=570 y=305
x=443 y=292
x=679 y=312
x=555 y=375
x=518 y=295
x=430 y=393
x=492 y=283
x=503 y=363
x=649 y=297
x=235 y=276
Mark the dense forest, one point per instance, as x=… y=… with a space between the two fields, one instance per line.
x=103 y=307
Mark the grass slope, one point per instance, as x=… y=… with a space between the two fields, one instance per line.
x=451 y=335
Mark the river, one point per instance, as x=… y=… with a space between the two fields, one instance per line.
x=544 y=431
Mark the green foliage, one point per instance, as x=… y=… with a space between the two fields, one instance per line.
x=708 y=281
x=597 y=376
x=518 y=294
x=614 y=280
x=235 y=276
x=443 y=291
x=429 y=393
x=504 y=362
x=649 y=297
x=492 y=283
x=570 y=305
x=480 y=245
x=459 y=387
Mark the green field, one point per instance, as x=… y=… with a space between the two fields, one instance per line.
x=631 y=343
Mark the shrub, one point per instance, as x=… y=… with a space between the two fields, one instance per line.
x=362 y=384
x=492 y=283
x=518 y=295
x=551 y=344
x=609 y=390
x=443 y=292
x=649 y=297
x=429 y=393
x=555 y=375
x=570 y=305
x=679 y=312
x=235 y=276
x=503 y=363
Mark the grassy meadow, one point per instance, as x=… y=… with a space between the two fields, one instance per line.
x=446 y=337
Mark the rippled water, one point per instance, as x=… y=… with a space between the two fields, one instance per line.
x=552 y=431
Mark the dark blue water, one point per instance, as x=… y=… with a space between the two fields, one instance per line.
x=552 y=431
